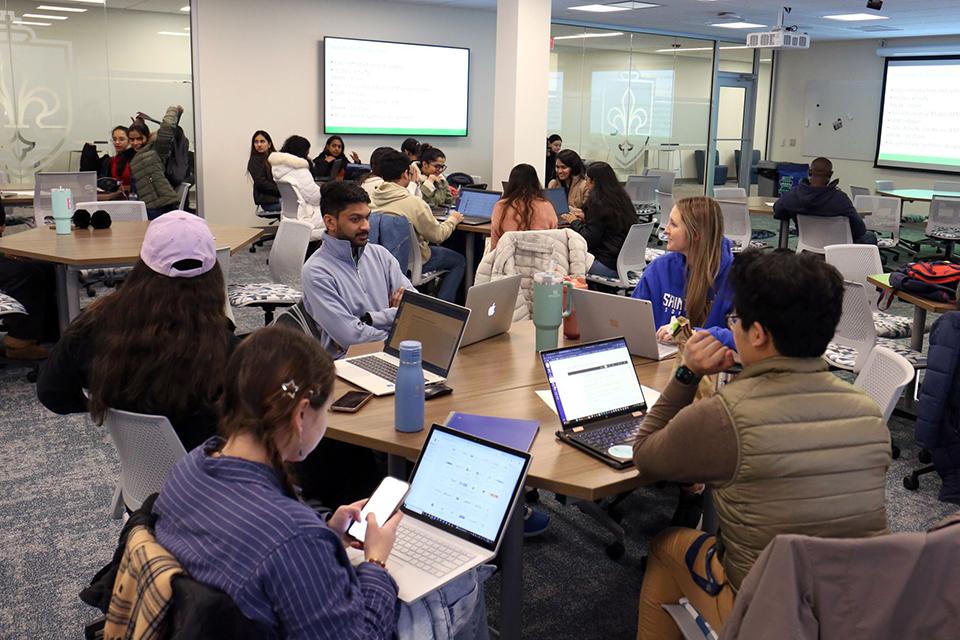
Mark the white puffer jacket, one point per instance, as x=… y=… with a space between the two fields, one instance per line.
x=295 y=171
x=530 y=252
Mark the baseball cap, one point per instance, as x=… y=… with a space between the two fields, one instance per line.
x=177 y=236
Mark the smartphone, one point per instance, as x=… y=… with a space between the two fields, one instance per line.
x=383 y=503
x=351 y=401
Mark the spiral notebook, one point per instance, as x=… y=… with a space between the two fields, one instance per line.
x=516 y=434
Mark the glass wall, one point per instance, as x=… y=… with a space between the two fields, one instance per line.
x=71 y=71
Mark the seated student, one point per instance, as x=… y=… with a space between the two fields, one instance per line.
x=570 y=172
x=350 y=288
x=332 y=151
x=374 y=179
x=787 y=447
x=392 y=197
x=433 y=186
x=818 y=196
x=608 y=215
x=148 y=165
x=411 y=148
x=291 y=165
x=554 y=144
x=118 y=165
x=691 y=279
x=522 y=207
x=159 y=344
x=265 y=192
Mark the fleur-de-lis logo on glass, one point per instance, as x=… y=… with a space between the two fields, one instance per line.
x=628 y=118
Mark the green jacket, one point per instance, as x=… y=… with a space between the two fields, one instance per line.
x=148 y=165
x=436 y=195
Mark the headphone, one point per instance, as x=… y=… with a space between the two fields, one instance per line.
x=100 y=219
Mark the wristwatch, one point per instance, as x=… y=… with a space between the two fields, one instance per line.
x=686 y=376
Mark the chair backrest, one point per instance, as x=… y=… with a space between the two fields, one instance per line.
x=884 y=213
x=883 y=377
x=415 y=262
x=729 y=192
x=391 y=232
x=944 y=212
x=223 y=259
x=82 y=184
x=289 y=201
x=148 y=447
x=884 y=185
x=667 y=178
x=947 y=185
x=665 y=204
x=632 y=256
x=642 y=189
x=736 y=222
x=183 y=192
x=288 y=250
x=816 y=232
x=855 y=262
x=856 y=328
x=119 y=210
x=858 y=191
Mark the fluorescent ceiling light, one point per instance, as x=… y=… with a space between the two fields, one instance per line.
x=598 y=8
x=629 y=6
x=186 y=8
x=88 y=1
x=738 y=25
x=33 y=24
x=46 y=7
x=173 y=33
x=671 y=50
x=43 y=17
x=856 y=17
x=609 y=34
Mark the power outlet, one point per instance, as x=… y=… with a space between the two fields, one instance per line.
x=793 y=142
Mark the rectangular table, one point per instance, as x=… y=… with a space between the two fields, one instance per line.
x=917 y=195
x=920 y=308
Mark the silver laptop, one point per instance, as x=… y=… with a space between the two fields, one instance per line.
x=604 y=315
x=491 y=309
x=462 y=492
x=438 y=325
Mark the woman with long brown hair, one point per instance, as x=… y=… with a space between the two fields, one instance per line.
x=522 y=207
x=690 y=280
x=159 y=344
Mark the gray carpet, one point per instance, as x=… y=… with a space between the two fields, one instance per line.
x=58 y=475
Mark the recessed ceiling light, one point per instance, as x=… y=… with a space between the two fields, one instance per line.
x=33 y=24
x=88 y=1
x=738 y=25
x=608 y=34
x=43 y=17
x=46 y=7
x=173 y=33
x=598 y=8
x=856 y=17
x=671 y=50
x=629 y=6
x=186 y=8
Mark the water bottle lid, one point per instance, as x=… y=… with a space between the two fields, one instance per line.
x=410 y=346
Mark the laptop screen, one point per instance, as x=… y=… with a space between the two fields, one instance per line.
x=593 y=381
x=465 y=485
x=477 y=204
x=438 y=325
x=558 y=198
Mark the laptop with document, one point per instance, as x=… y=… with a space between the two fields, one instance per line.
x=558 y=198
x=598 y=398
x=439 y=327
x=476 y=206
x=462 y=492
x=491 y=309
x=605 y=315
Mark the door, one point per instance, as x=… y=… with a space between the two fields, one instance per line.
x=733 y=111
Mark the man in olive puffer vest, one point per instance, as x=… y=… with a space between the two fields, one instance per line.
x=787 y=447
x=149 y=164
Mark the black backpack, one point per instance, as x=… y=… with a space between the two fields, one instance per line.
x=178 y=163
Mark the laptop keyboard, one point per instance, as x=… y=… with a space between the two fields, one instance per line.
x=376 y=366
x=426 y=552
x=609 y=435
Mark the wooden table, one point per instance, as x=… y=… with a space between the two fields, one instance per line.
x=24 y=197
x=91 y=248
x=920 y=308
x=917 y=195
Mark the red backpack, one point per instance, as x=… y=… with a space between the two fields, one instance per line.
x=932 y=279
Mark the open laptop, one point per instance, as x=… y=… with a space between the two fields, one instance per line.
x=491 y=309
x=558 y=198
x=604 y=315
x=476 y=206
x=598 y=398
x=335 y=168
x=462 y=492
x=438 y=325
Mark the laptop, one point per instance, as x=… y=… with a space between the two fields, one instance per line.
x=598 y=398
x=438 y=325
x=335 y=168
x=354 y=170
x=462 y=492
x=491 y=309
x=558 y=198
x=476 y=205
x=604 y=315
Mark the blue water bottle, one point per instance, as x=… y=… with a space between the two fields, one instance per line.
x=408 y=403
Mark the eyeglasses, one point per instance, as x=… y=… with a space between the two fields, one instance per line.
x=438 y=167
x=732 y=319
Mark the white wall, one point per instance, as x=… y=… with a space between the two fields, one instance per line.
x=258 y=67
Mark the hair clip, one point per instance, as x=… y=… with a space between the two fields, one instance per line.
x=290 y=388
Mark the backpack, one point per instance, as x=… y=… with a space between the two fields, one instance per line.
x=178 y=163
x=931 y=279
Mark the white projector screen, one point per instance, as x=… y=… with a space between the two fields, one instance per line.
x=920 y=115
x=391 y=88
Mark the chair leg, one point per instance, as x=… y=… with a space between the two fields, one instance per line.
x=267 y=315
x=912 y=481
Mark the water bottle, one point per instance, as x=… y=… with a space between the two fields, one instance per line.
x=61 y=202
x=408 y=401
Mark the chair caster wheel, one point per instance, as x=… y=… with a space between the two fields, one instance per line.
x=911 y=483
x=924 y=456
x=894 y=452
x=32 y=376
x=253 y=249
x=615 y=550
x=91 y=292
x=532 y=496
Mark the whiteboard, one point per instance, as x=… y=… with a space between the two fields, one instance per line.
x=855 y=106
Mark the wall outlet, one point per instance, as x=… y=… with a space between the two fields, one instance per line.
x=793 y=142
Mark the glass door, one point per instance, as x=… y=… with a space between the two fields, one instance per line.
x=732 y=118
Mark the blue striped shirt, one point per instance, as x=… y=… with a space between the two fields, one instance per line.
x=230 y=525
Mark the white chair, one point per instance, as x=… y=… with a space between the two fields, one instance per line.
x=816 y=232
x=738 y=227
x=148 y=447
x=943 y=222
x=643 y=194
x=9 y=305
x=82 y=185
x=223 y=260
x=884 y=185
x=667 y=179
x=631 y=261
x=946 y=185
x=729 y=192
x=119 y=210
x=884 y=218
x=664 y=206
x=857 y=261
x=286 y=262
x=415 y=263
x=289 y=201
x=183 y=192
x=883 y=377
x=858 y=191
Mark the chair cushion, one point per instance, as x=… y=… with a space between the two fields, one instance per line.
x=917 y=359
x=754 y=244
x=945 y=233
x=891 y=326
x=113 y=274
x=261 y=293
x=652 y=254
x=886 y=243
x=9 y=305
x=843 y=357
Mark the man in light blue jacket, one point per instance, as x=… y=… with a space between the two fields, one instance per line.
x=351 y=289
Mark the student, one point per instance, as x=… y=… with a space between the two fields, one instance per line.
x=265 y=192
x=148 y=165
x=351 y=289
x=818 y=196
x=229 y=513
x=332 y=151
x=118 y=165
x=392 y=197
x=373 y=179
x=433 y=186
x=159 y=344
x=787 y=447
x=570 y=175
x=411 y=148
x=554 y=144
x=608 y=215
x=522 y=207
x=691 y=279
x=291 y=165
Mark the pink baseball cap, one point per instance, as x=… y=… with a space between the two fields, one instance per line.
x=177 y=236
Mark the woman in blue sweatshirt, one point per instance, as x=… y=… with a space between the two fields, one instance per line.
x=691 y=279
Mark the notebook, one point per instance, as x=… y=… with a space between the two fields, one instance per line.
x=516 y=434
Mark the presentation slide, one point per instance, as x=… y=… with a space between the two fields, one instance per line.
x=391 y=88
x=920 y=119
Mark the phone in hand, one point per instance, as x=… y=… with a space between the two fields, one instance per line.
x=383 y=503
x=351 y=401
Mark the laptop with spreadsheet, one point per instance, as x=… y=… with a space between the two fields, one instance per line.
x=462 y=492
x=476 y=206
x=605 y=315
x=438 y=325
x=598 y=398
x=558 y=198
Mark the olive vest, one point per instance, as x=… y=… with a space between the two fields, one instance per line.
x=813 y=453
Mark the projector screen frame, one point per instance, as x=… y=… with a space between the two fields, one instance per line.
x=883 y=98
x=411 y=132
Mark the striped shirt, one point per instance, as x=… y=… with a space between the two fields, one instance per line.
x=230 y=525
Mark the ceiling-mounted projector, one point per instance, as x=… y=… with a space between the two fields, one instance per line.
x=780 y=37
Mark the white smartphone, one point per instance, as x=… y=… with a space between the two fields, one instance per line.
x=383 y=503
